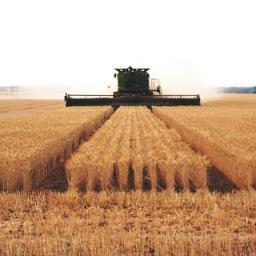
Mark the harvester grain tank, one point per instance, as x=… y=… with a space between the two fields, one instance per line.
x=135 y=88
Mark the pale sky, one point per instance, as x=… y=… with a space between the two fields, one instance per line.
x=76 y=45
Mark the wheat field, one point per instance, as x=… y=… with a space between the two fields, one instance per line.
x=130 y=173
x=21 y=105
x=23 y=108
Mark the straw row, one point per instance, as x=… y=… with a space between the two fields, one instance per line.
x=31 y=148
x=226 y=135
x=135 y=150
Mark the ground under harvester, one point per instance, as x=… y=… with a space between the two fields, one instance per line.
x=135 y=88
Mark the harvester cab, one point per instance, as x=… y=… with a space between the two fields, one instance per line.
x=133 y=82
x=135 y=88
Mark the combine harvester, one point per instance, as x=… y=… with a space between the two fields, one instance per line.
x=135 y=88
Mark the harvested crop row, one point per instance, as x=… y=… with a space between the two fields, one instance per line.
x=226 y=135
x=31 y=147
x=135 y=150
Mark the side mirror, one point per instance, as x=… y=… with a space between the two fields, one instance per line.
x=159 y=89
x=115 y=75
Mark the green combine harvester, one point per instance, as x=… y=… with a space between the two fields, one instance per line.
x=135 y=88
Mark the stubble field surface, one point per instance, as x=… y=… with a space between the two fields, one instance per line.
x=174 y=181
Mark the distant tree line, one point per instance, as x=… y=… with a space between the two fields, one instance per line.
x=237 y=89
x=11 y=89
